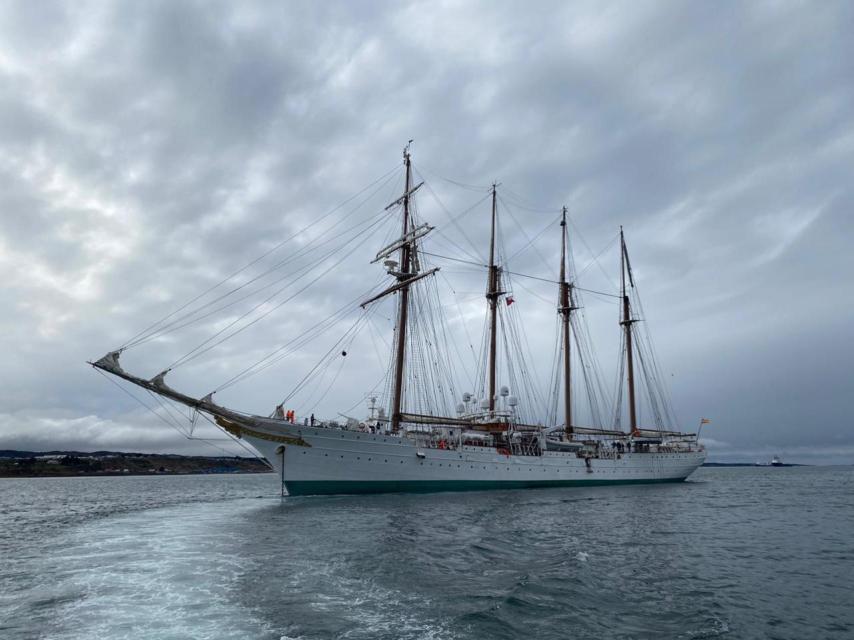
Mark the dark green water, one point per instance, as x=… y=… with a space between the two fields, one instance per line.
x=735 y=553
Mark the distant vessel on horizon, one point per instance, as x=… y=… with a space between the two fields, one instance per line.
x=776 y=461
x=490 y=439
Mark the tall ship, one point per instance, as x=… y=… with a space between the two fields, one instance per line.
x=422 y=432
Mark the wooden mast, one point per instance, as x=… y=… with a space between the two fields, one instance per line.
x=565 y=309
x=627 y=325
x=403 y=305
x=492 y=294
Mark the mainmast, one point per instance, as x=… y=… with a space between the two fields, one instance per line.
x=626 y=269
x=565 y=309
x=492 y=294
x=403 y=304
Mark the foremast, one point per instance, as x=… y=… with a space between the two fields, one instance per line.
x=626 y=323
x=565 y=309
x=406 y=254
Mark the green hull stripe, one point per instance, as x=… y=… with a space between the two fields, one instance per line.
x=328 y=487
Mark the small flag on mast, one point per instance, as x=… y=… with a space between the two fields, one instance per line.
x=705 y=421
x=509 y=300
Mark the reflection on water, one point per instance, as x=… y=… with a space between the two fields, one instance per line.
x=736 y=552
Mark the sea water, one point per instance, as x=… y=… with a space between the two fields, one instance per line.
x=733 y=552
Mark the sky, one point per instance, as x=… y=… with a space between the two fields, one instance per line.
x=148 y=150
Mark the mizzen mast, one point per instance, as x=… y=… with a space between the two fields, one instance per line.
x=492 y=294
x=627 y=322
x=565 y=310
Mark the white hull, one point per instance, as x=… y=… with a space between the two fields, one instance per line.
x=317 y=460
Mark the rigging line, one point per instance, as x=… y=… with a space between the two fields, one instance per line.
x=515 y=317
x=536 y=295
x=463 y=250
x=187 y=358
x=436 y=255
x=364 y=397
x=601 y=293
x=187 y=319
x=337 y=373
x=471 y=187
x=462 y=321
x=373 y=331
x=595 y=260
x=176 y=424
x=455 y=220
x=125 y=391
x=531 y=241
x=261 y=257
x=509 y=211
x=167 y=407
x=595 y=256
x=345 y=345
x=303 y=338
x=323 y=358
x=525 y=275
x=254 y=454
x=443 y=323
x=520 y=199
x=158 y=416
x=166 y=404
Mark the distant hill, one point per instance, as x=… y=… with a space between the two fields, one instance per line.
x=33 y=464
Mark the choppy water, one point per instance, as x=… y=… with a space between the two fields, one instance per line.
x=736 y=553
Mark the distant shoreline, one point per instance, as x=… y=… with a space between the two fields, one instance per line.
x=67 y=464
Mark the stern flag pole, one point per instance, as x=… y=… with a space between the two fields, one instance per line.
x=700 y=428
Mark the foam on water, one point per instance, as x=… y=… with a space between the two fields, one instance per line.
x=157 y=573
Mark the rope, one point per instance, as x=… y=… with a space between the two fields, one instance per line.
x=133 y=340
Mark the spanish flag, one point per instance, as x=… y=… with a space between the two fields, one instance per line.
x=705 y=421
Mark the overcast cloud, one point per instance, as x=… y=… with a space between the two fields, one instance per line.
x=147 y=149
